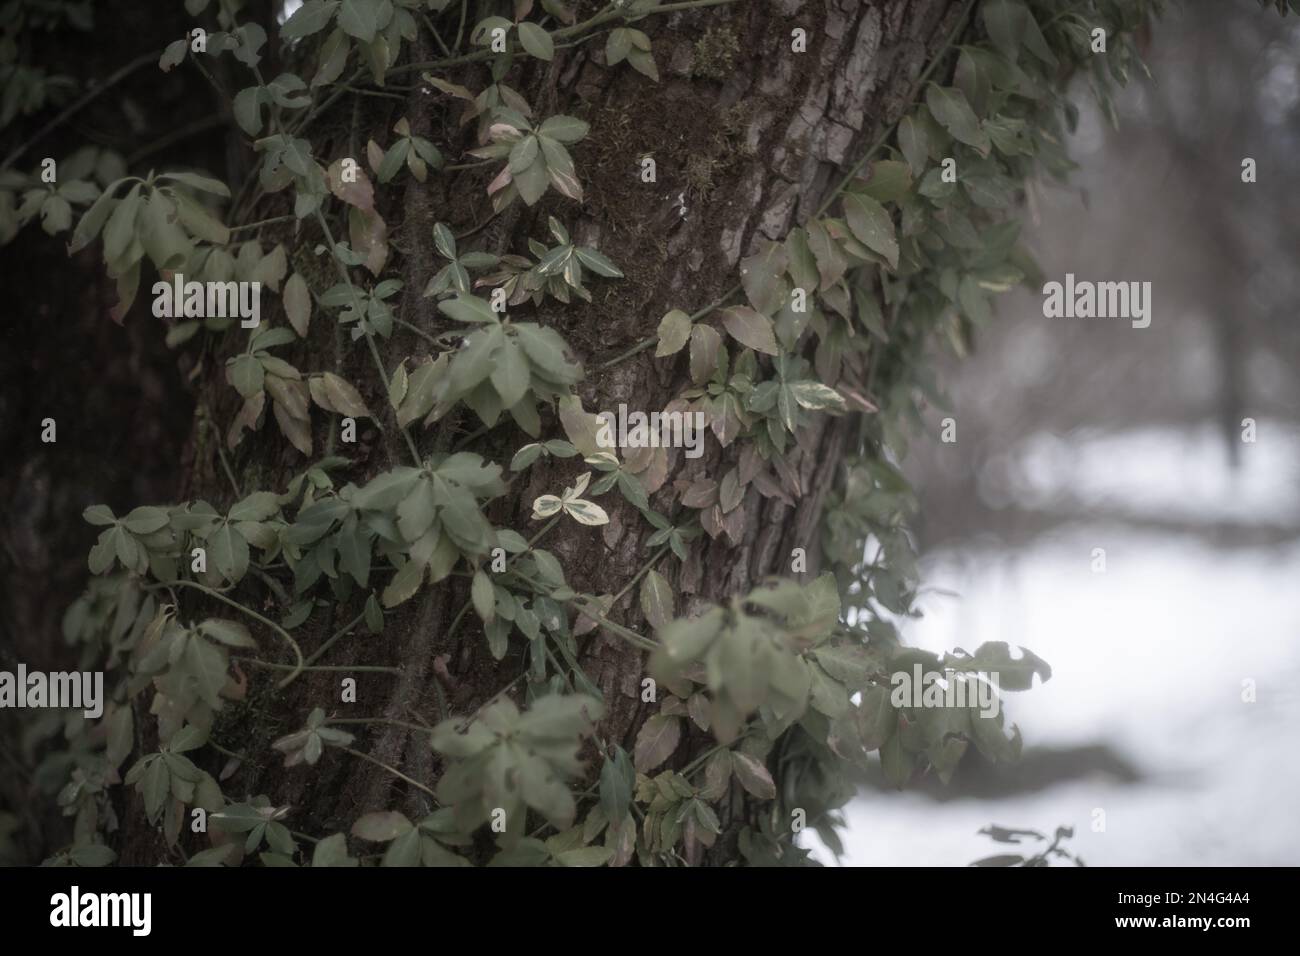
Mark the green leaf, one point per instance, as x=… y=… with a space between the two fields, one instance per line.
x=358 y=18
x=404 y=584
x=393 y=160
x=889 y=180
x=469 y=308
x=525 y=456
x=333 y=851
x=417 y=510
x=201 y=183
x=483 y=596
x=763 y=277
x=674 y=332
x=949 y=106
x=354 y=556
x=531 y=182
x=207 y=665
x=198 y=221
x=617 y=780
x=686 y=639
x=850 y=664
x=1005 y=26
x=297 y=304
x=802 y=265
x=510 y=377
x=617 y=45
x=374 y=615
x=656 y=599
x=877 y=718
x=444 y=240
x=156 y=785
x=145 y=520
x=1014 y=674
x=248 y=109
x=173 y=54
x=545 y=349
x=816 y=396
x=381 y=826
x=523 y=154
x=92 y=221
x=99 y=515
x=335 y=394
x=246 y=374
x=229 y=552
x=56 y=215
x=656 y=741
x=227 y=632
x=536 y=41
x=311 y=17
x=564 y=129
x=585 y=856
x=120 y=229
x=895 y=761
x=598 y=263
x=872 y=225
x=753 y=776
x=643 y=63
x=750 y=328
x=914 y=144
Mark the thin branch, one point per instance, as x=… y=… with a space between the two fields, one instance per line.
x=394 y=771
x=296 y=668
x=114 y=78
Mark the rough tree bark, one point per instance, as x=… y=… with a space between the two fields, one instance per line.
x=750 y=141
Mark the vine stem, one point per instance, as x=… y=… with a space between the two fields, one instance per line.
x=460 y=29
x=646 y=343
x=663 y=549
x=436 y=35
x=629 y=635
x=377 y=720
x=699 y=761
x=487 y=703
x=472 y=436
x=114 y=78
x=427 y=336
x=264 y=222
x=393 y=770
x=344 y=668
x=370 y=338
x=210 y=424
x=333 y=639
x=888 y=131
x=229 y=753
x=296 y=668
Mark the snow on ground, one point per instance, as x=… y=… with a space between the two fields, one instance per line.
x=1149 y=656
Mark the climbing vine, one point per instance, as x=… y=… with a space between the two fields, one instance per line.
x=789 y=683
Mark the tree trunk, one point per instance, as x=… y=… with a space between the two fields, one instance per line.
x=748 y=137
